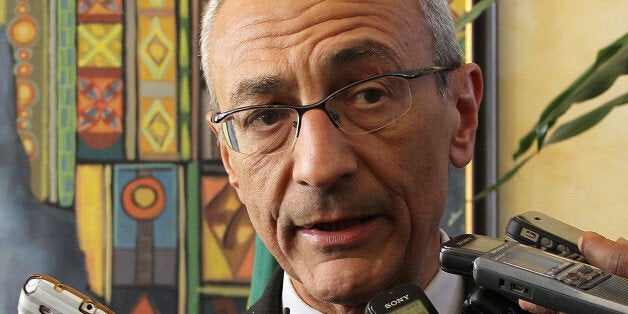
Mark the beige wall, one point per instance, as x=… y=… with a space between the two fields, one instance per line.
x=543 y=46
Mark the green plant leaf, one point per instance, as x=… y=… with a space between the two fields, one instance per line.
x=586 y=121
x=503 y=179
x=524 y=144
x=473 y=14
x=459 y=212
x=594 y=83
x=611 y=63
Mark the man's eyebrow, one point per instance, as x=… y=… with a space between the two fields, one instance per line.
x=263 y=85
x=360 y=51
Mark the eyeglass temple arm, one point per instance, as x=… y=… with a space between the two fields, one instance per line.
x=422 y=72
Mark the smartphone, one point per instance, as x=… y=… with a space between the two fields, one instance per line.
x=404 y=299
x=546 y=233
x=457 y=255
x=549 y=280
x=44 y=294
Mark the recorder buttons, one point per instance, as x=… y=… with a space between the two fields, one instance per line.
x=592 y=283
x=558 y=269
x=589 y=273
x=561 y=248
x=572 y=278
x=573 y=256
x=586 y=270
x=583 y=277
x=546 y=242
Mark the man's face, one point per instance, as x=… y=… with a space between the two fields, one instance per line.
x=346 y=216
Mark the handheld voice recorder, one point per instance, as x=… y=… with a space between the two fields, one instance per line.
x=404 y=299
x=44 y=294
x=546 y=233
x=550 y=280
x=457 y=255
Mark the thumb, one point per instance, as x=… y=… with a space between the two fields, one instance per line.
x=608 y=255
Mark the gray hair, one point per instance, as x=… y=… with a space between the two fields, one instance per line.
x=437 y=19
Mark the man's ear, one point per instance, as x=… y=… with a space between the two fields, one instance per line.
x=469 y=92
x=224 y=155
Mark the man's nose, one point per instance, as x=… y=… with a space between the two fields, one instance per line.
x=322 y=154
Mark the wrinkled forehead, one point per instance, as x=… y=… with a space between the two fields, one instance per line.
x=305 y=35
x=289 y=23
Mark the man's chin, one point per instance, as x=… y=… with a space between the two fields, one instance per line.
x=345 y=295
x=347 y=284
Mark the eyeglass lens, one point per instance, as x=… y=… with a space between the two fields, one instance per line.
x=357 y=109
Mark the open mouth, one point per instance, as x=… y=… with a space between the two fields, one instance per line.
x=343 y=233
x=338 y=225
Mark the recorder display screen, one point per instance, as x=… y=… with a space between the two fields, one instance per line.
x=415 y=307
x=483 y=244
x=531 y=259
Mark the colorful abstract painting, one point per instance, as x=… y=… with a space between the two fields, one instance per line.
x=108 y=100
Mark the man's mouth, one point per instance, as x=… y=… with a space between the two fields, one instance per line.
x=341 y=232
x=338 y=225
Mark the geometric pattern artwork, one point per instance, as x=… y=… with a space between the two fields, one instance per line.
x=154 y=301
x=145 y=226
x=223 y=305
x=97 y=7
x=157 y=80
x=65 y=124
x=27 y=31
x=23 y=32
x=132 y=103
x=100 y=111
x=158 y=126
x=145 y=234
x=100 y=45
x=227 y=237
x=157 y=50
x=100 y=82
x=93 y=218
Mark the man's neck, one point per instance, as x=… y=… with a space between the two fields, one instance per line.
x=422 y=271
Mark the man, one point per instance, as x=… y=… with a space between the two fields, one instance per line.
x=358 y=109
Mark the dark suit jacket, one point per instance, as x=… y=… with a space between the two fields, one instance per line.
x=270 y=301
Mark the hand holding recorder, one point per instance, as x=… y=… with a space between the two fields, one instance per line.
x=608 y=255
x=564 y=282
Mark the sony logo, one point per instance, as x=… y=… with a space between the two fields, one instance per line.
x=397 y=301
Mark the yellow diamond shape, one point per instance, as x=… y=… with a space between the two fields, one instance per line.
x=158 y=127
x=157 y=50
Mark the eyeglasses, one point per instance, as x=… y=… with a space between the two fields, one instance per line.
x=364 y=106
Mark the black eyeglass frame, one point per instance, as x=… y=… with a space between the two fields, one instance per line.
x=218 y=117
x=410 y=74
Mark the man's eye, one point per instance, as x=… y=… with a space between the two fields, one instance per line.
x=372 y=95
x=263 y=118
x=368 y=98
